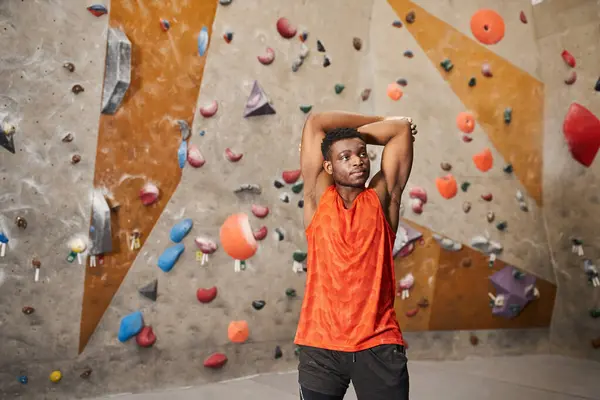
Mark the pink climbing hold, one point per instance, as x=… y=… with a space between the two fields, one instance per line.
x=205 y=245
x=571 y=78
x=260 y=211
x=268 y=57
x=146 y=337
x=209 y=110
x=291 y=176
x=581 y=129
x=487 y=197
x=285 y=28
x=195 y=157
x=231 y=156
x=418 y=193
x=467 y=138
x=149 y=194
x=260 y=233
x=486 y=70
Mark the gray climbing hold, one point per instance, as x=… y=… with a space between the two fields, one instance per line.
x=258 y=103
x=7 y=132
x=248 y=188
x=185 y=129
x=225 y=2
x=446 y=243
x=150 y=290
x=100 y=229
x=486 y=246
x=117 y=75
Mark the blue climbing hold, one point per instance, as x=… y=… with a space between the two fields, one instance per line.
x=169 y=257
x=23 y=379
x=130 y=326
x=203 y=41
x=202 y=133
x=181 y=229
x=3 y=238
x=182 y=154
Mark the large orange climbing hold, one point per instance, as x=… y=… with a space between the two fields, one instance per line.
x=487 y=26
x=465 y=122
x=237 y=238
x=447 y=186
x=394 y=91
x=484 y=160
x=238 y=331
x=582 y=132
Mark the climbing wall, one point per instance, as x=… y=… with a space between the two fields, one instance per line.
x=133 y=135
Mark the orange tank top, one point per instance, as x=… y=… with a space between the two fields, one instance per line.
x=349 y=295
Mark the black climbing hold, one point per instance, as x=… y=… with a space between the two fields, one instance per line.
x=69 y=66
x=408 y=54
x=150 y=291
x=278 y=353
x=465 y=186
x=595 y=312
x=326 y=62
x=320 y=46
x=508 y=169
x=284 y=197
x=447 y=65
x=6 y=137
x=258 y=304
x=397 y=23
x=472 y=82
x=402 y=82
x=280 y=235
x=597 y=86
x=86 y=373
x=278 y=184
x=77 y=89
x=357 y=43
x=290 y=292
x=305 y=108
x=501 y=226
x=300 y=203
x=410 y=17
x=507 y=115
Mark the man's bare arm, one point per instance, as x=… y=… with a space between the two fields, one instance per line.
x=311 y=158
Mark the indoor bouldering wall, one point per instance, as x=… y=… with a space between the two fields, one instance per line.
x=151 y=213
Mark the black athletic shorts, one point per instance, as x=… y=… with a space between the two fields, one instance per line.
x=378 y=373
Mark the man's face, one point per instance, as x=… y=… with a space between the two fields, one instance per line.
x=348 y=164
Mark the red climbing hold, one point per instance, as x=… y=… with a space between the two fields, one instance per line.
x=487 y=196
x=285 y=28
x=231 y=156
x=149 y=194
x=467 y=138
x=569 y=59
x=523 y=17
x=582 y=132
x=291 y=176
x=260 y=211
x=206 y=295
x=571 y=78
x=194 y=157
x=215 y=360
x=260 y=233
x=146 y=337
x=268 y=57
x=209 y=110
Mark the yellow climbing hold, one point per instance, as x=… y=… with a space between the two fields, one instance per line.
x=55 y=376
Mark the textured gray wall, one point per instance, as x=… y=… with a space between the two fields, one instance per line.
x=40 y=184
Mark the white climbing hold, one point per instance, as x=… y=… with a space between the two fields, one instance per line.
x=405 y=284
x=447 y=243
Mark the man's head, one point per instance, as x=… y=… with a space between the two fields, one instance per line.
x=346 y=159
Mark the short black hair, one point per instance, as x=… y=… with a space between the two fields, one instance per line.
x=336 y=134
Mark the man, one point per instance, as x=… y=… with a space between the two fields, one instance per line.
x=348 y=329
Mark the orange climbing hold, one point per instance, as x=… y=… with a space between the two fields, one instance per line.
x=465 y=122
x=484 y=160
x=394 y=91
x=237 y=238
x=487 y=26
x=238 y=331
x=447 y=186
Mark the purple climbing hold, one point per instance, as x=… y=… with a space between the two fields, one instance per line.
x=97 y=10
x=258 y=103
x=514 y=290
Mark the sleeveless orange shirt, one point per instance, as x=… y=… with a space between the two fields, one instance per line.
x=350 y=280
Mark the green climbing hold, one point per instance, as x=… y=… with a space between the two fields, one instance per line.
x=595 y=312
x=297 y=351
x=305 y=109
x=501 y=226
x=297 y=187
x=508 y=169
x=507 y=115
x=299 y=256
x=290 y=292
x=465 y=186
x=339 y=88
x=577 y=242
x=472 y=82
x=447 y=65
